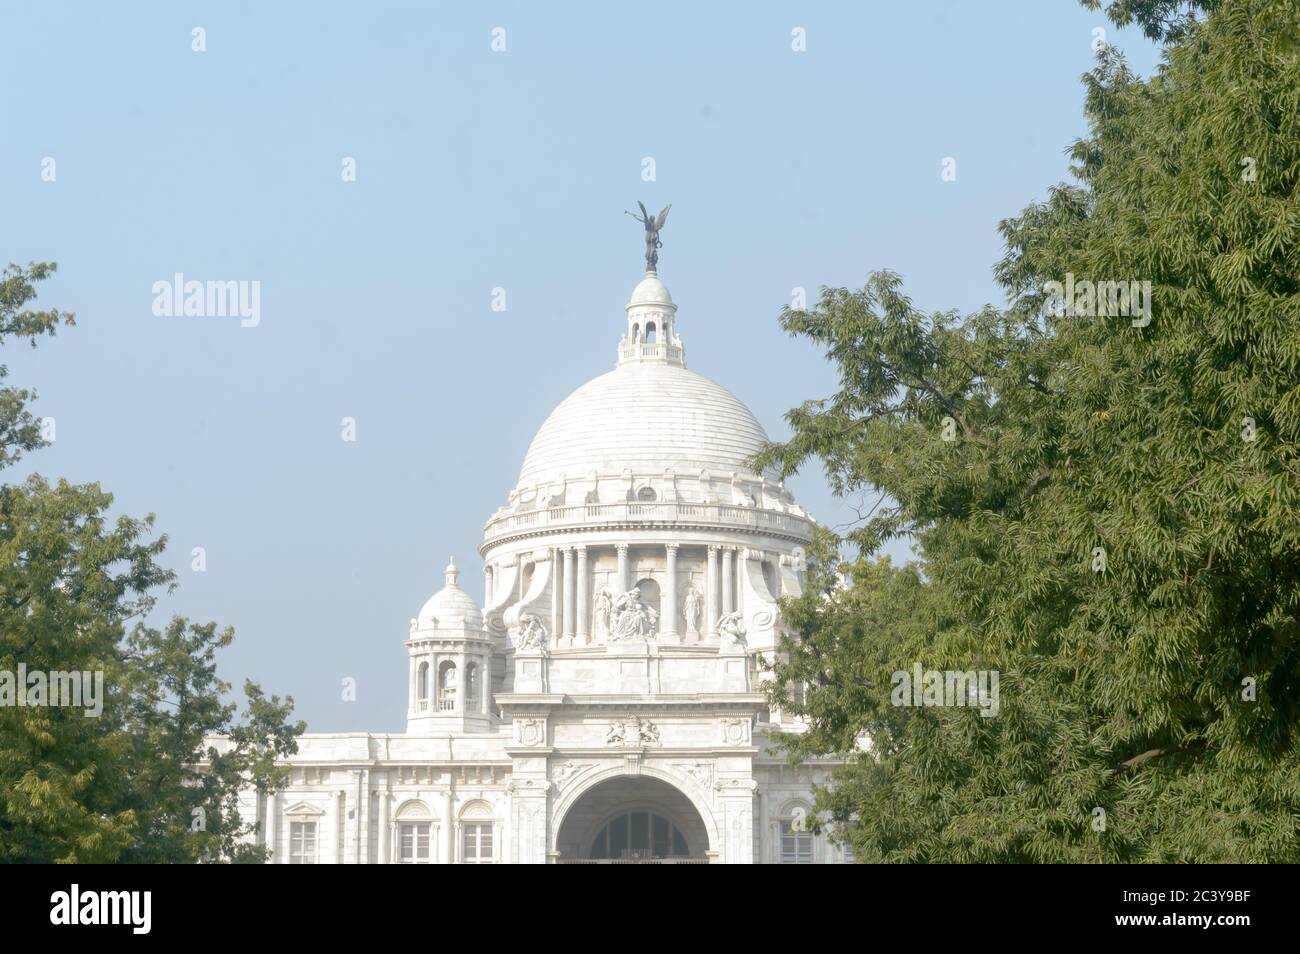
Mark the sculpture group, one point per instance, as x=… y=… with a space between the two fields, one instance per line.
x=633 y=731
x=531 y=633
x=619 y=617
x=622 y=617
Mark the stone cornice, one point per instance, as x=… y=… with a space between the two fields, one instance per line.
x=666 y=525
x=748 y=702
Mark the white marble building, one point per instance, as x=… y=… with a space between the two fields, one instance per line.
x=605 y=704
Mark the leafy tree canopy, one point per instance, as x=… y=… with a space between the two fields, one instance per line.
x=1106 y=509
x=135 y=782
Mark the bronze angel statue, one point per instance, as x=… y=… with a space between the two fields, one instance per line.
x=652 y=227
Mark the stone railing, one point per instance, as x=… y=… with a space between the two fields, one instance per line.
x=655 y=351
x=584 y=515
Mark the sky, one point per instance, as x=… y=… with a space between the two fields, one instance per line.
x=475 y=169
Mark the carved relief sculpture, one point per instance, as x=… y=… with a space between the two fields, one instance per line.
x=531 y=633
x=530 y=731
x=634 y=731
x=633 y=619
x=731 y=631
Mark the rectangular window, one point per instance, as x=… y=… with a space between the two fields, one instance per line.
x=302 y=843
x=476 y=843
x=796 y=846
x=414 y=843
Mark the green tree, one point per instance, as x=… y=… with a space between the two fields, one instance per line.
x=1106 y=510
x=136 y=783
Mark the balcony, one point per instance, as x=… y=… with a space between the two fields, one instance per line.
x=646 y=514
x=652 y=351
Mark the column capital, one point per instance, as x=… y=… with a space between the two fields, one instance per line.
x=671 y=546
x=621 y=547
x=714 y=547
x=580 y=547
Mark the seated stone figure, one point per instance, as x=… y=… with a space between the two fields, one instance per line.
x=632 y=619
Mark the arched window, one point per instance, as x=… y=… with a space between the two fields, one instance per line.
x=471 y=683
x=447 y=682
x=422 y=685
x=796 y=839
x=477 y=834
x=414 y=829
x=639 y=834
x=650 y=332
x=649 y=593
x=636 y=332
x=647 y=494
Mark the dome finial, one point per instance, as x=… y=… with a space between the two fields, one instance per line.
x=452 y=573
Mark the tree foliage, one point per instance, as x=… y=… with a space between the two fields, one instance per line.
x=1114 y=526
x=135 y=783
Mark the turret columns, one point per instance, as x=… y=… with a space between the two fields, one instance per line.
x=414 y=705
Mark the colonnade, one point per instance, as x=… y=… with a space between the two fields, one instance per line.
x=572 y=613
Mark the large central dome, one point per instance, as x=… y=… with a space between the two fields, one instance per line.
x=644 y=417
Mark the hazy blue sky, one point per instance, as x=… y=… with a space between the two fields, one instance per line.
x=475 y=169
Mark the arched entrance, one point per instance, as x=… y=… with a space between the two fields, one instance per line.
x=631 y=820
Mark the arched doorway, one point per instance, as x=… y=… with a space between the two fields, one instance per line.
x=633 y=820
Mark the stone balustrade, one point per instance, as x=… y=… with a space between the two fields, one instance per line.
x=594 y=516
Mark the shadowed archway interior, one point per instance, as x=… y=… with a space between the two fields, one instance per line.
x=632 y=818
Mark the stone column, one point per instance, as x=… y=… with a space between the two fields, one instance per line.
x=453 y=830
x=385 y=836
x=728 y=581
x=742 y=573
x=488 y=582
x=556 y=582
x=413 y=706
x=569 y=595
x=624 y=584
x=711 y=595
x=485 y=685
x=271 y=832
x=361 y=792
x=462 y=682
x=669 y=617
x=432 y=690
x=582 y=604
x=340 y=824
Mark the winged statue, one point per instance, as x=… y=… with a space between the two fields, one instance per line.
x=652 y=228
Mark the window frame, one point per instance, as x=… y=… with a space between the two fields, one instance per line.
x=416 y=825
x=299 y=855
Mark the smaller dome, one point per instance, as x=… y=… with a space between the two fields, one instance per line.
x=650 y=291
x=451 y=607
